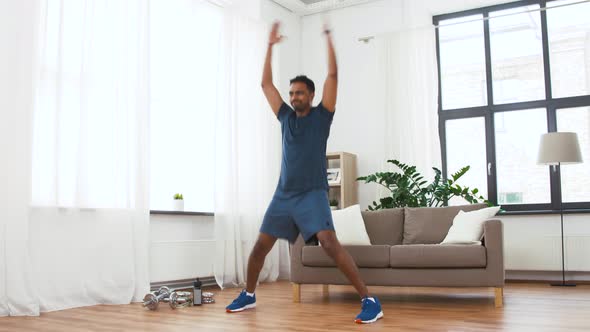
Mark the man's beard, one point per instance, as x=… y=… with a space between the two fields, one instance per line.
x=298 y=107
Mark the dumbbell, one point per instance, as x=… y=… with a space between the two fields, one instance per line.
x=180 y=299
x=161 y=290
x=151 y=300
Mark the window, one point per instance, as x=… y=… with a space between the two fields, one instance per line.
x=463 y=65
x=516 y=156
x=509 y=73
x=184 y=47
x=569 y=30
x=465 y=138
x=517 y=55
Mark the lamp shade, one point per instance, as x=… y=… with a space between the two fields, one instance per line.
x=559 y=147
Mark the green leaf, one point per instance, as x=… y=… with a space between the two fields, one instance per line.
x=409 y=187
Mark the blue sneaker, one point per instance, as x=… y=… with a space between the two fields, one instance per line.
x=371 y=311
x=242 y=302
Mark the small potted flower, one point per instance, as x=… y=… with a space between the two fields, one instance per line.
x=178 y=202
x=333 y=204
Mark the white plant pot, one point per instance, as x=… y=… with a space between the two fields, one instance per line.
x=332 y=207
x=178 y=205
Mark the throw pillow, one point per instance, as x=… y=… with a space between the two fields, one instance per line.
x=467 y=227
x=350 y=227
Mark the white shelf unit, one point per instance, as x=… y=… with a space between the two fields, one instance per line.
x=346 y=191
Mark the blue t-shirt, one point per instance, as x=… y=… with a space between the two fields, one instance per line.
x=303 y=164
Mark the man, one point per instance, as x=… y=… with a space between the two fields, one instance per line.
x=300 y=203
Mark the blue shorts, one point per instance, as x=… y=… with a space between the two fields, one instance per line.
x=291 y=213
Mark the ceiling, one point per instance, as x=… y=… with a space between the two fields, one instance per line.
x=309 y=2
x=436 y=7
x=307 y=7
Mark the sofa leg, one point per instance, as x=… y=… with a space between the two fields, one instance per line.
x=499 y=298
x=326 y=291
x=296 y=293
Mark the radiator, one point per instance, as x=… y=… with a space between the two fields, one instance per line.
x=577 y=252
x=179 y=260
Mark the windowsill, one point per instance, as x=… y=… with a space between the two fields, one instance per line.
x=182 y=213
x=537 y=212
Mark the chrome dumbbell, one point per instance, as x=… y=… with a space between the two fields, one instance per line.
x=207 y=297
x=161 y=290
x=151 y=300
x=180 y=299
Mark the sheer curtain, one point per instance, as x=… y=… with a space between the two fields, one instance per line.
x=18 y=23
x=247 y=161
x=184 y=53
x=408 y=88
x=87 y=227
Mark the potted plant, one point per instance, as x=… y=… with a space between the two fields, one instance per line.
x=408 y=188
x=178 y=202
x=333 y=204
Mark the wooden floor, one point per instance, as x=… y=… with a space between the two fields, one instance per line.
x=527 y=307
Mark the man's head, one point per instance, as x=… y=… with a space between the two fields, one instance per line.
x=301 y=93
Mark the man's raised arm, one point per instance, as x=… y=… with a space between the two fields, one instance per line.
x=270 y=91
x=331 y=84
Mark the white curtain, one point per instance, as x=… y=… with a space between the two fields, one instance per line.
x=247 y=161
x=87 y=225
x=18 y=23
x=408 y=95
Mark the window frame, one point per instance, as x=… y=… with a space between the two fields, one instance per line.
x=550 y=104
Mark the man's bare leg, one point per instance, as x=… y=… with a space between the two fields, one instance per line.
x=343 y=260
x=262 y=247
x=247 y=299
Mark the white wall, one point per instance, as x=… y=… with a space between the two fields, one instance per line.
x=357 y=127
x=531 y=242
x=247 y=8
x=286 y=54
x=534 y=242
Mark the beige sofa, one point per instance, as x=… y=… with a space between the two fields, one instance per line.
x=405 y=251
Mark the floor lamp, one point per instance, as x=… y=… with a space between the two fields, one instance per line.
x=556 y=149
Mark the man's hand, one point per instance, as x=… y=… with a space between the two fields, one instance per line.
x=326 y=28
x=268 y=88
x=275 y=36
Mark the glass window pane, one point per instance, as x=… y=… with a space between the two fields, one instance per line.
x=520 y=180
x=517 y=55
x=462 y=61
x=575 y=178
x=569 y=48
x=183 y=99
x=466 y=146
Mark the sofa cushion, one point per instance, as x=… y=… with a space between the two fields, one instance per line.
x=467 y=227
x=384 y=226
x=430 y=225
x=437 y=256
x=364 y=256
x=350 y=227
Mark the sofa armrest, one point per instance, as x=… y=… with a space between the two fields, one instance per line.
x=494 y=242
x=296 y=262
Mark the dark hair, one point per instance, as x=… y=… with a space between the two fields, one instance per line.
x=306 y=80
